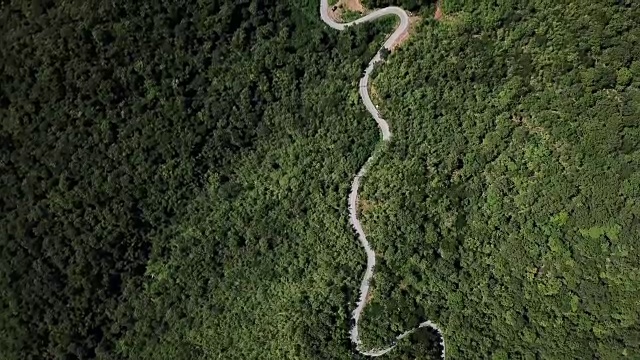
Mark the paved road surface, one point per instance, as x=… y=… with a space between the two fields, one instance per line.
x=355 y=185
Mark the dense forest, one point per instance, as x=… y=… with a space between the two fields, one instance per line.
x=174 y=180
x=146 y=137
x=507 y=207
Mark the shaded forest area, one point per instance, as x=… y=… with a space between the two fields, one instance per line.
x=174 y=176
x=507 y=207
x=125 y=122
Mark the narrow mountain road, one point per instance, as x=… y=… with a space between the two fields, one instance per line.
x=355 y=185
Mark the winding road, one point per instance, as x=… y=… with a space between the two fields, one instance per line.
x=355 y=185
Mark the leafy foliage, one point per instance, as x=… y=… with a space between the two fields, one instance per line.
x=506 y=208
x=118 y=118
x=174 y=177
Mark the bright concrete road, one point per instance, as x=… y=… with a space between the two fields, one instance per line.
x=355 y=185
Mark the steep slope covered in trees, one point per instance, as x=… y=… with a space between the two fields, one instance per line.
x=211 y=138
x=507 y=206
x=174 y=175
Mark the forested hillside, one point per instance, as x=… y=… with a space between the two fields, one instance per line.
x=174 y=179
x=507 y=207
x=155 y=155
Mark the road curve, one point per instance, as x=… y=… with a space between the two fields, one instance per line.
x=355 y=185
